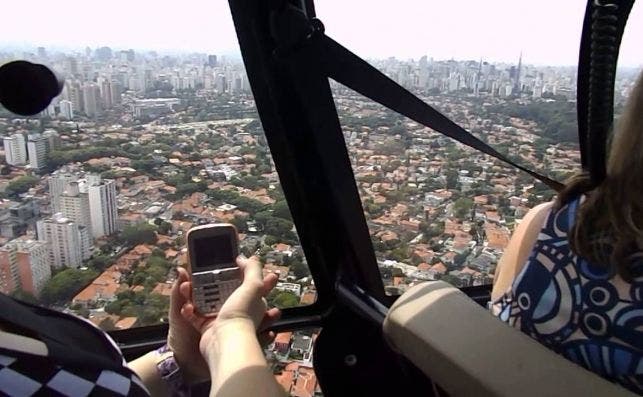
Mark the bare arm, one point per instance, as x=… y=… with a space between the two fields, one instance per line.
x=239 y=366
x=229 y=342
x=145 y=368
x=519 y=248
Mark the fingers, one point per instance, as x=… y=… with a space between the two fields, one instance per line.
x=188 y=312
x=251 y=269
x=269 y=318
x=266 y=338
x=269 y=282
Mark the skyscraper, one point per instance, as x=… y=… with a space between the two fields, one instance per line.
x=74 y=203
x=102 y=205
x=53 y=139
x=105 y=92
x=66 y=109
x=116 y=88
x=90 y=96
x=38 y=149
x=87 y=200
x=57 y=183
x=517 y=83
x=76 y=96
x=24 y=264
x=69 y=243
x=15 y=149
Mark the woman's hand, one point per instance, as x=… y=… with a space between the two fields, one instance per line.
x=183 y=339
x=246 y=304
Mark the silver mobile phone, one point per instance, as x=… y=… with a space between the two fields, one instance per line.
x=212 y=254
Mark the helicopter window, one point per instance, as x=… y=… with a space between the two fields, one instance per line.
x=144 y=142
x=435 y=208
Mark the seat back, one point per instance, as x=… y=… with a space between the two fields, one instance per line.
x=469 y=352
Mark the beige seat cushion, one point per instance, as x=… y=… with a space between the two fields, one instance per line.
x=468 y=352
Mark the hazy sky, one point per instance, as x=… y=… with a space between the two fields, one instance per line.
x=546 y=31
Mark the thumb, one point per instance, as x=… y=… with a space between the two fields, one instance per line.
x=176 y=298
x=252 y=269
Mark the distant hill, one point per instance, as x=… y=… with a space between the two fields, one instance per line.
x=557 y=119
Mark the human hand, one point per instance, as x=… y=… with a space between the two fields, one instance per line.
x=246 y=304
x=183 y=339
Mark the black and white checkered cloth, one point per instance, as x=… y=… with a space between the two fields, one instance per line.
x=40 y=376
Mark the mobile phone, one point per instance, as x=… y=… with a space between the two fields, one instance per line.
x=212 y=254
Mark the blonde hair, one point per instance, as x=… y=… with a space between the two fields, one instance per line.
x=609 y=225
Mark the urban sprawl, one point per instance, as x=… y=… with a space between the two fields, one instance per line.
x=100 y=189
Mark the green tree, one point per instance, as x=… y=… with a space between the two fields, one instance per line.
x=280 y=210
x=24 y=296
x=452 y=178
x=100 y=262
x=240 y=223
x=462 y=207
x=66 y=284
x=282 y=299
x=279 y=228
x=139 y=234
x=20 y=185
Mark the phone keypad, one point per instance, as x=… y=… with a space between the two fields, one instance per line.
x=210 y=291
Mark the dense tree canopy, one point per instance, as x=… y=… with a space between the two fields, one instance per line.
x=66 y=284
x=20 y=185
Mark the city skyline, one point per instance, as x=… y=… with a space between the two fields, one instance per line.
x=497 y=32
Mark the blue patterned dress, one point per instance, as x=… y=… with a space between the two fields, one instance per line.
x=582 y=311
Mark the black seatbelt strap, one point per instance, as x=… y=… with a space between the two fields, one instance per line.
x=603 y=28
x=314 y=52
x=350 y=70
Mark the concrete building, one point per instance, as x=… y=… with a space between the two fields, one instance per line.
x=103 y=206
x=15 y=149
x=24 y=264
x=17 y=217
x=57 y=183
x=87 y=200
x=38 y=150
x=66 y=109
x=69 y=243
x=90 y=99
x=74 y=203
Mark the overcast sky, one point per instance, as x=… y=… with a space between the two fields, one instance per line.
x=546 y=31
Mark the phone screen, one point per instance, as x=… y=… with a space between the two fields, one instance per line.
x=215 y=251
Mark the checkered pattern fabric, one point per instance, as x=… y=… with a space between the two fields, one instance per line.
x=40 y=376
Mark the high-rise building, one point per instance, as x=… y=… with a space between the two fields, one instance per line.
x=24 y=264
x=518 y=82
x=90 y=102
x=103 y=54
x=88 y=200
x=71 y=66
x=76 y=96
x=66 y=109
x=53 y=139
x=38 y=149
x=116 y=89
x=74 y=203
x=103 y=206
x=212 y=60
x=58 y=181
x=69 y=243
x=220 y=83
x=105 y=92
x=15 y=150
